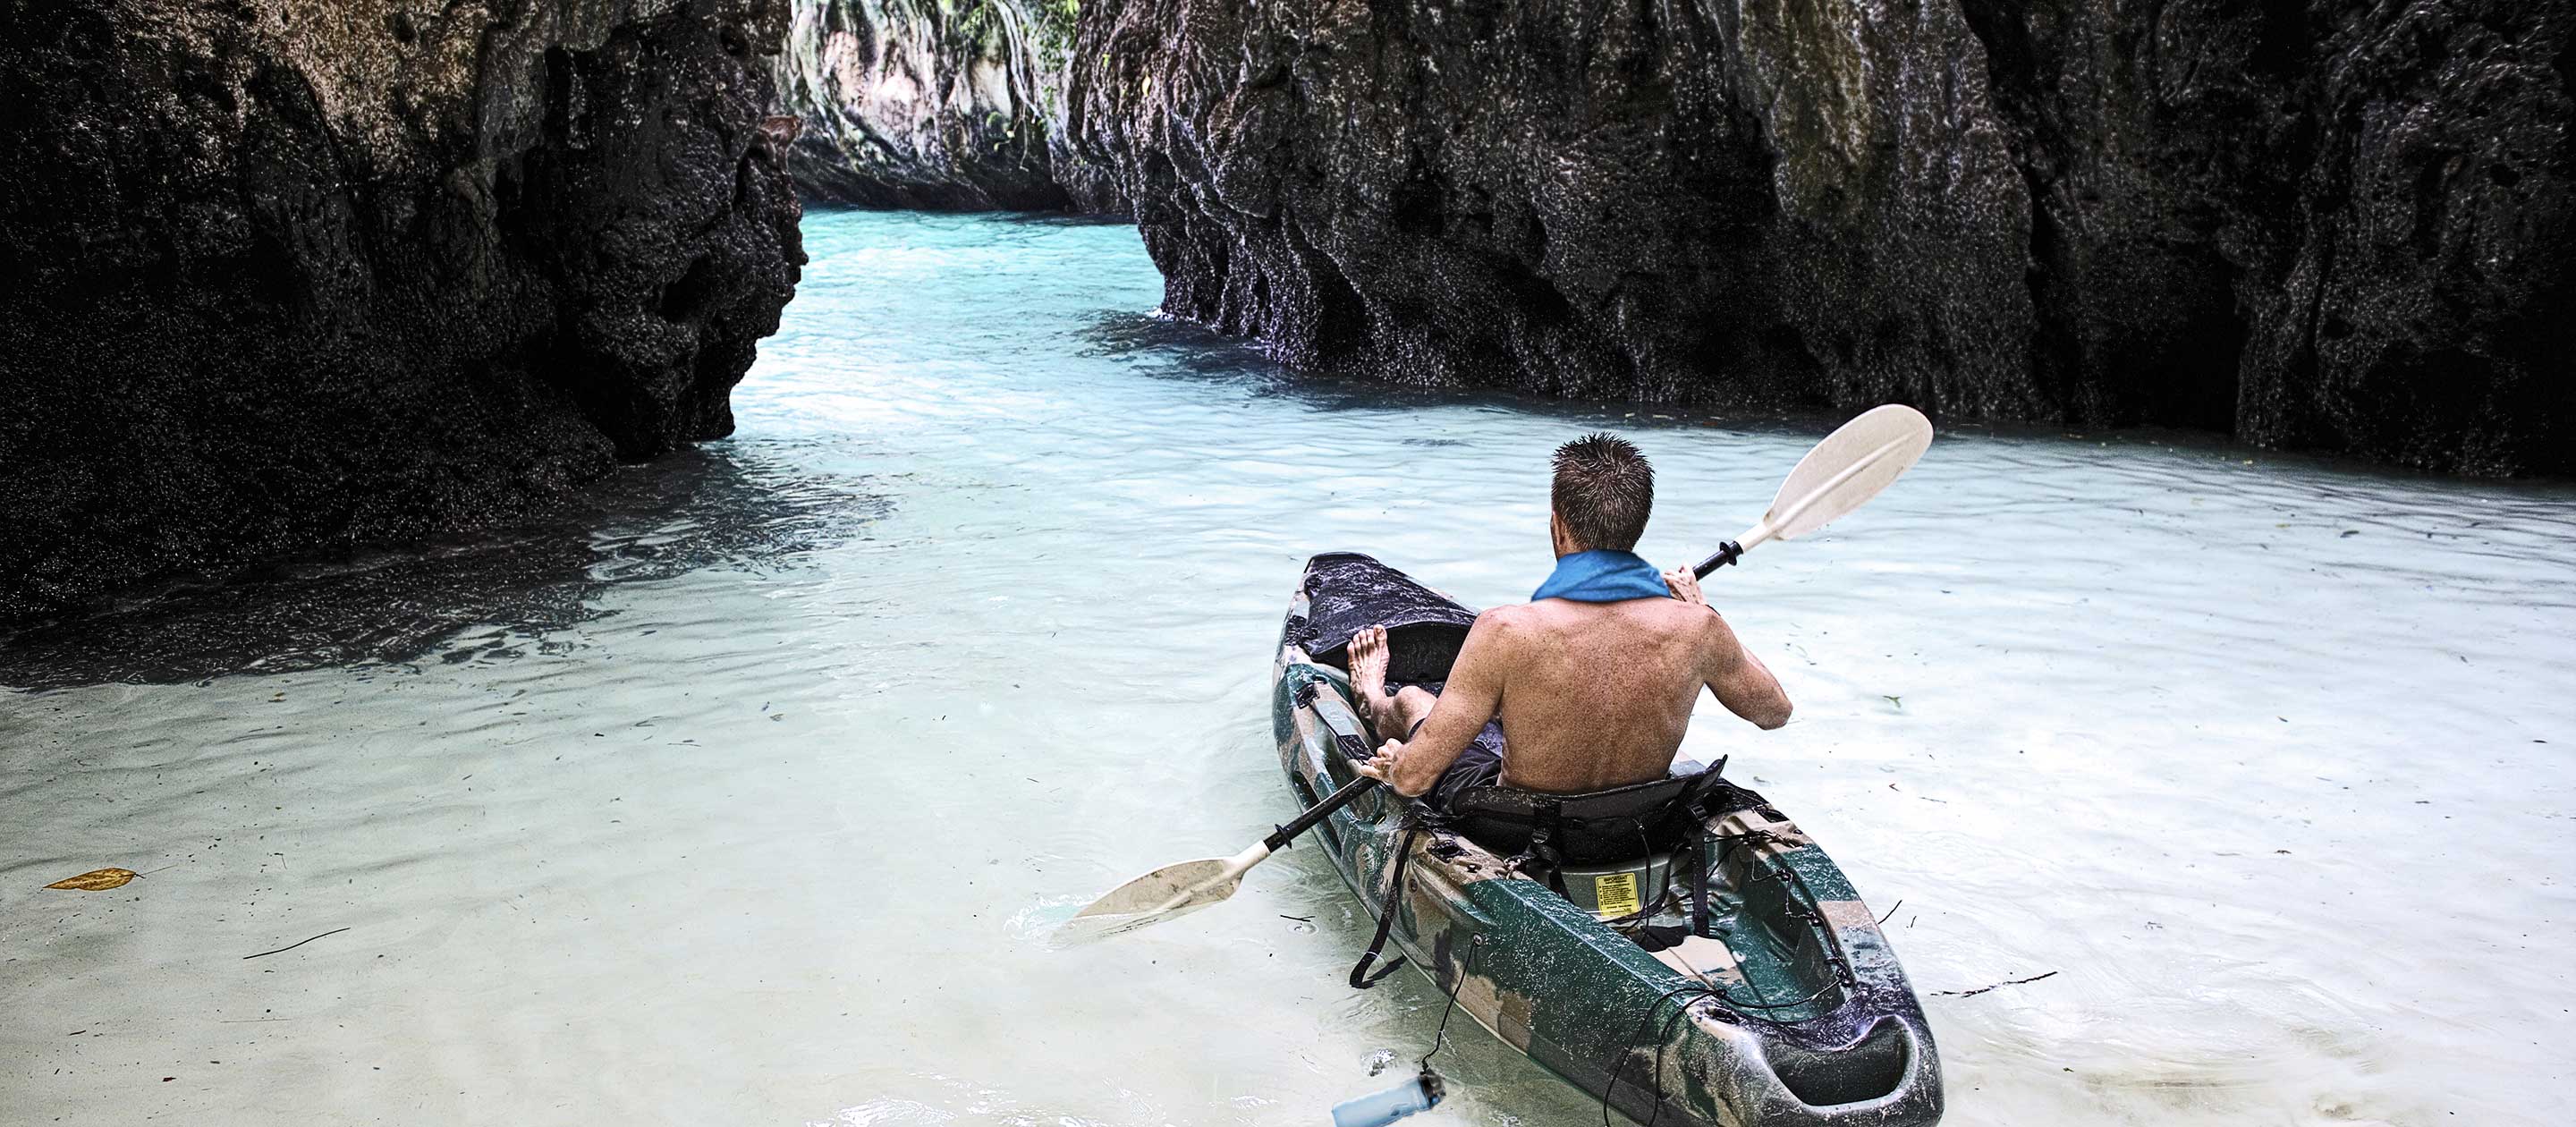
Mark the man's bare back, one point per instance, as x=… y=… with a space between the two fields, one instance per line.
x=1590 y=695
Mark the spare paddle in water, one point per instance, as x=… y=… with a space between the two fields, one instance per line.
x=1419 y=1092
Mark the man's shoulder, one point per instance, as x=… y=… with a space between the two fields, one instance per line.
x=1522 y=624
x=1559 y=619
x=1576 y=614
x=1638 y=619
x=1698 y=620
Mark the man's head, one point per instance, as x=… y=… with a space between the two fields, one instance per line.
x=1603 y=491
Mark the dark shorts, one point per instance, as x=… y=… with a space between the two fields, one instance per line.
x=1481 y=765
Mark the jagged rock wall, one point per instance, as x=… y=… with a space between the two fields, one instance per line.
x=2354 y=218
x=946 y=104
x=306 y=274
x=2326 y=224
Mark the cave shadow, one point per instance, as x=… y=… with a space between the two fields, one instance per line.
x=513 y=587
x=1038 y=217
x=1161 y=346
x=1066 y=218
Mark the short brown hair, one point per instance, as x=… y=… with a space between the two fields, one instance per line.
x=1604 y=490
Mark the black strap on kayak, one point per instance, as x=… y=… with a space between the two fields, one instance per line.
x=1546 y=820
x=1361 y=979
x=1699 y=877
x=1708 y=780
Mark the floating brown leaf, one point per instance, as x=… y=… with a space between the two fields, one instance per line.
x=96 y=880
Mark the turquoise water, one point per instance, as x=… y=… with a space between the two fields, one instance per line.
x=739 y=791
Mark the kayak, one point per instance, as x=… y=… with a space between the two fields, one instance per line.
x=1723 y=973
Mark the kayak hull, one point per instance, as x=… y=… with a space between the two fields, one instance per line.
x=1795 y=1013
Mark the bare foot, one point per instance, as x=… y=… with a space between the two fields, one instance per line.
x=1368 y=667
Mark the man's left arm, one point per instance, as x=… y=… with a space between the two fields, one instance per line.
x=1474 y=692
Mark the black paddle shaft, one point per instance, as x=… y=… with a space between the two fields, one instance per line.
x=1727 y=552
x=1318 y=812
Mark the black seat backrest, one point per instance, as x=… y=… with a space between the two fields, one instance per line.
x=1597 y=828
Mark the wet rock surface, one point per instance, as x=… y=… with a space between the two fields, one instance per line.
x=952 y=106
x=291 y=276
x=2321 y=225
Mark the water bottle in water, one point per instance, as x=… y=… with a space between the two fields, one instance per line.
x=1377 y=1109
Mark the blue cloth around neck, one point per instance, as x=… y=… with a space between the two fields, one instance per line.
x=1602 y=576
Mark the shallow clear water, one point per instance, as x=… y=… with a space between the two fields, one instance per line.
x=740 y=791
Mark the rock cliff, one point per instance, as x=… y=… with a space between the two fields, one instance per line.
x=305 y=274
x=949 y=105
x=2324 y=224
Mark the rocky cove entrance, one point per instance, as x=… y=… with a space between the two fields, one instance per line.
x=2312 y=226
x=299 y=277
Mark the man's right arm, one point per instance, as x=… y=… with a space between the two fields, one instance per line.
x=1742 y=683
x=1473 y=694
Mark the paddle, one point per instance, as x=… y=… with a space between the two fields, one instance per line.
x=1849 y=467
x=1846 y=469
x=1174 y=891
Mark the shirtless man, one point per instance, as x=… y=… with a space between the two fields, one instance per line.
x=1593 y=679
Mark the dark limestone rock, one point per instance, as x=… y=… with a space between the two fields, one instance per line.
x=286 y=276
x=952 y=106
x=2326 y=225
x=2319 y=225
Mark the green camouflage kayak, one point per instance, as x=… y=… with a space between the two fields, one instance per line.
x=1785 y=1007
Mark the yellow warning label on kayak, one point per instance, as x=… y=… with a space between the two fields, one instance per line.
x=1615 y=894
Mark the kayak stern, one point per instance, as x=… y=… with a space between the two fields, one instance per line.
x=1793 y=1012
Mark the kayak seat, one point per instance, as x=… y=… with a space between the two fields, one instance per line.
x=1601 y=827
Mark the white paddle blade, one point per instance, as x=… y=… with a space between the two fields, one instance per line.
x=1091 y=928
x=1166 y=893
x=1848 y=468
x=1190 y=884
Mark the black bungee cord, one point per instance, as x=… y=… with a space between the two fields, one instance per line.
x=1838 y=967
x=1440 y=1039
x=1661 y=1036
